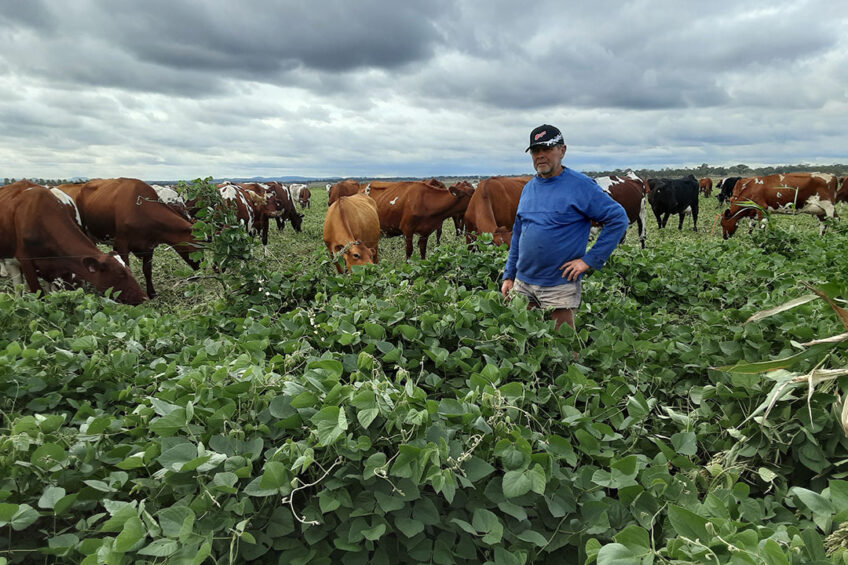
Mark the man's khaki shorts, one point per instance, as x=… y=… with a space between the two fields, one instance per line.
x=556 y=297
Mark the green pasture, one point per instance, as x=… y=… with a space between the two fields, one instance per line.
x=279 y=413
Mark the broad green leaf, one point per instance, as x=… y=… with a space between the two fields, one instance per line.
x=409 y=527
x=50 y=497
x=132 y=532
x=330 y=423
x=688 y=524
x=685 y=443
x=160 y=548
x=617 y=554
x=534 y=537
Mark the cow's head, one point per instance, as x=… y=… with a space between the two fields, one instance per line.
x=105 y=271
x=502 y=235
x=462 y=189
x=296 y=220
x=355 y=253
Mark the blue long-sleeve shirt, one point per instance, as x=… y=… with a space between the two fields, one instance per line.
x=552 y=226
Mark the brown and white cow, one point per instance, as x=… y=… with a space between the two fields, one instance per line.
x=705 y=185
x=301 y=194
x=40 y=231
x=492 y=208
x=343 y=188
x=173 y=200
x=842 y=193
x=793 y=193
x=266 y=204
x=414 y=207
x=352 y=226
x=629 y=191
x=128 y=213
x=288 y=210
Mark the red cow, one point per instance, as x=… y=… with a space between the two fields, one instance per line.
x=842 y=193
x=343 y=188
x=787 y=194
x=301 y=194
x=629 y=191
x=414 y=207
x=492 y=208
x=128 y=212
x=705 y=185
x=41 y=233
x=352 y=225
x=266 y=204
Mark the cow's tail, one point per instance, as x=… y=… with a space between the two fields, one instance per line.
x=643 y=221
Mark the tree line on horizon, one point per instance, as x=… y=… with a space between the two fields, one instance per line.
x=702 y=170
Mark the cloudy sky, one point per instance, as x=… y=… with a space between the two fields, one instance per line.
x=176 y=89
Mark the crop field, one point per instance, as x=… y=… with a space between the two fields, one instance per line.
x=276 y=412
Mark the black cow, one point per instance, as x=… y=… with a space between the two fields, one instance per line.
x=674 y=196
x=725 y=188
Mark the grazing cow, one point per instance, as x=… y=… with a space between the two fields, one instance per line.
x=414 y=207
x=706 y=186
x=629 y=191
x=458 y=217
x=725 y=188
x=674 y=196
x=173 y=200
x=791 y=193
x=40 y=231
x=842 y=193
x=128 y=212
x=343 y=188
x=492 y=208
x=266 y=204
x=287 y=207
x=301 y=194
x=352 y=226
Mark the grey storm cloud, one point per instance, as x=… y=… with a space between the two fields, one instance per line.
x=427 y=87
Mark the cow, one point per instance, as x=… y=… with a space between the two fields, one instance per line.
x=414 y=207
x=40 y=235
x=705 y=185
x=343 y=188
x=288 y=210
x=629 y=191
x=266 y=204
x=674 y=196
x=842 y=193
x=725 y=188
x=492 y=209
x=791 y=193
x=128 y=212
x=352 y=227
x=301 y=194
x=174 y=201
x=458 y=217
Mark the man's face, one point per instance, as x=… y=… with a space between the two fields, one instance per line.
x=547 y=160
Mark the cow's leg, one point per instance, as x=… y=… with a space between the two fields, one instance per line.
x=408 y=245
x=422 y=245
x=665 y=218
x=280 y=223
x=438 y=236
x=659 y=221
x=28 y=270
x=695 y=217
x=641 y=222
x=147 y=268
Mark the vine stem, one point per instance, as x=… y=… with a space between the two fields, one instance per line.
x=290 y=497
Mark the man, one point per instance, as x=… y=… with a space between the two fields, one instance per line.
x=547 y=255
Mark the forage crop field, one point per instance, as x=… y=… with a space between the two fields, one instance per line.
x=276 y=412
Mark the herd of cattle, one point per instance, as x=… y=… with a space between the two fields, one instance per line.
x=50 y=233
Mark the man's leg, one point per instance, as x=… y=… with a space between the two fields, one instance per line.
x=561 y=315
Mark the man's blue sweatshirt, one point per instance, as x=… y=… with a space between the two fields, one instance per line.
x=552 y=226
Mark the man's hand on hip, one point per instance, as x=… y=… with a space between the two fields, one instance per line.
x=573 y=269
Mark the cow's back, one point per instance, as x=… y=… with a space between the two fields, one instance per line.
x=494 y=204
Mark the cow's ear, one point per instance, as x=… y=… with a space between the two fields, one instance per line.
x=727 y=213
x=90 y=263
